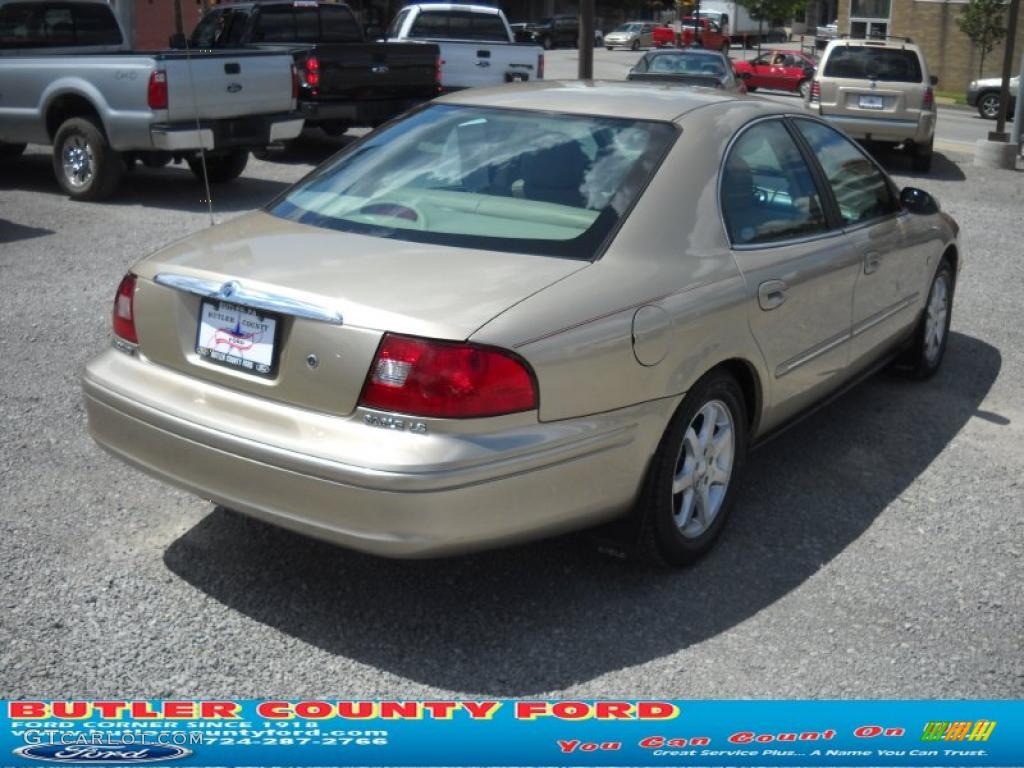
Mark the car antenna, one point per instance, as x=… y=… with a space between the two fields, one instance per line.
x=199 y=132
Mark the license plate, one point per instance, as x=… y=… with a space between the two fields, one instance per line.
x=237 y=337
x=872 y=102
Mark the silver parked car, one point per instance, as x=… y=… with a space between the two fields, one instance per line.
x=523 y=310
x=633 y=35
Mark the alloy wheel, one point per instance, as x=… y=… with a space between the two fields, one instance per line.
x=703 y=469
x=78 y=161
x=989 y=106
x=935 y=318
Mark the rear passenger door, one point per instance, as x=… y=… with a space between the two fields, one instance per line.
x=799 y=269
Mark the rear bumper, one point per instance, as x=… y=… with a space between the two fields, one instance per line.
x=884 y=129
x=255 y=131
x=358 y=113
x=381 y=491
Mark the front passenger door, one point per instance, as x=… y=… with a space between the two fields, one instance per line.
x=799 y=269
x=888 y=283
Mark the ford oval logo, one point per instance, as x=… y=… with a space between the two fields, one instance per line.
x=106 y=754
x=234 y=88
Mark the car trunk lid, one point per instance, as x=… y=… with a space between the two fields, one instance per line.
x=374 y=284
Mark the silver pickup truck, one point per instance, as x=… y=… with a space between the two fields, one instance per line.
x=66 y=79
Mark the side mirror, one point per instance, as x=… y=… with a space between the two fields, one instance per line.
x=176 y=41
x=918 y=201
x=934 y=79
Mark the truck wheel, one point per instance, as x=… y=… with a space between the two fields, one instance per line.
x=804 y=88
x=221 y=168
x=11 y=151
x=86 y=166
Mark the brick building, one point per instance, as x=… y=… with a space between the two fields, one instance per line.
x=148 y=23
x=931 y=24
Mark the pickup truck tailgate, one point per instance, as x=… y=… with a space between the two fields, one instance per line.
x=372 y=71
x=227 y=84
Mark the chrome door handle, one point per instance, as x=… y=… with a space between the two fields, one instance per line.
x=872 y=262
x=771 y=294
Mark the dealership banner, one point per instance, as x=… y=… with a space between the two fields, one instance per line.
x=484 y=732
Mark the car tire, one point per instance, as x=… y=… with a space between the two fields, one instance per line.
x=751 y=88
x=547 y=43
x=608 y=47
x=804 y=88
x=676 y=528
x=988 y=105
x=221 y=168
x=924 y=356
x=725 y=49
x=921 y=157
x=11 y=151
x=635 y=46
x=86 y=166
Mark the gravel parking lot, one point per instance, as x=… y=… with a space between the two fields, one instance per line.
x=877 y=548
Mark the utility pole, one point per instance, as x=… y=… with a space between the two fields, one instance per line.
x=586 y=41
x=179 y=24
x=1004 y=89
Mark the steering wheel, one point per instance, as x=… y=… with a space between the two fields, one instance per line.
x=395 y=211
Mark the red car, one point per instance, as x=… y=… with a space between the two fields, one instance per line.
x=710 y=36
x=779 y=70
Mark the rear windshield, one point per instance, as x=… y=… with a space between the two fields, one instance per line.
x=867 y=62
x=459 y=25
x=306 y=24
x=34 y=25
x=494 y=179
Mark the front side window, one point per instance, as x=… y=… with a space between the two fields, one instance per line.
x=210 y=30
x=768 y=192
x=493 y=179
x=860 y=188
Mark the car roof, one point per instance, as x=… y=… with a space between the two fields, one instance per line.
x=876 y=42
x=472 y=7
x=637 y=100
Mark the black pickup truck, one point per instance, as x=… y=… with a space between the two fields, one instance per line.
x=345 y=81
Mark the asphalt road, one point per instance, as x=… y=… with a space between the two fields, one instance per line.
x=957 y=129
x=877 y=549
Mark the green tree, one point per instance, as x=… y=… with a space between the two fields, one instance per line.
x=983 y=22
x=772 y=11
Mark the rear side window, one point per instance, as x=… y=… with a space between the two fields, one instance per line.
x=768 y=192
x=861 y=190
x=864 y=62
x=41 y=25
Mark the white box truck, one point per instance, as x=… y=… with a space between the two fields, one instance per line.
x=736 y=22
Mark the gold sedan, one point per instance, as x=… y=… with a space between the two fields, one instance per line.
x=523 y=310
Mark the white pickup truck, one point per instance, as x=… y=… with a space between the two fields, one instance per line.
x=477 y=45
x=66 y=79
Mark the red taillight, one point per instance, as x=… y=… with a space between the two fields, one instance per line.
x=313 y=72
x=929 y=99
x=124 y=310
x=156 y=95
x=295 y=82
x=540 y=66
x=444 y=379
x=437 y=72
x=815 y=91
